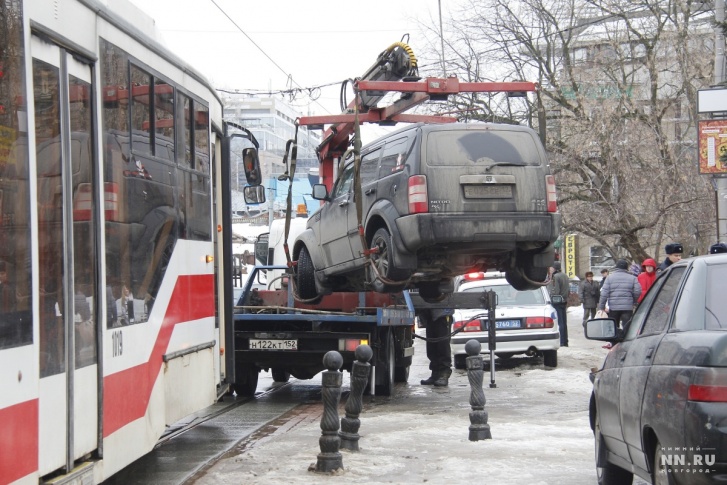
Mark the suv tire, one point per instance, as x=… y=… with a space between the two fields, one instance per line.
x=384 y=261
x=305 y=277
x=429 y=292
x=515 y=278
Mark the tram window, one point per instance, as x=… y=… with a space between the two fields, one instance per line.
x=201 y=138
x=141 y=111
x=186 y=132
x=194 y=195
x=46 y=89
x=164 y=120
x=15 y=275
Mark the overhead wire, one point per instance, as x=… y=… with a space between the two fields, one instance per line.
x=262 y=50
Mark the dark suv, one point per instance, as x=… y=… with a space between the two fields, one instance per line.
x=436 y=201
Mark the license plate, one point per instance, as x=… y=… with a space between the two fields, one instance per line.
x=507 y=324
x=503 y=324
x=488 y=191
x=273 y=344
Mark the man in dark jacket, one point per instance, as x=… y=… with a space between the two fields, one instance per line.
x=559 y=288
x=621 y=291
x=673 y=254
x=589 y=292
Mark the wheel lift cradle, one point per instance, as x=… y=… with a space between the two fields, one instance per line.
x=340 y=322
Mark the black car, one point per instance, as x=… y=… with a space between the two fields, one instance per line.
x=659 y=403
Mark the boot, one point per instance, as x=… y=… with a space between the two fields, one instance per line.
x=443 y=378
x=429 y=381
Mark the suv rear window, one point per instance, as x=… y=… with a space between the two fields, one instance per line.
x=480 y=146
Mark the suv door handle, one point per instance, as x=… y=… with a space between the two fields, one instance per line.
x=343 y=203
x=370 y=191
x=649 y=352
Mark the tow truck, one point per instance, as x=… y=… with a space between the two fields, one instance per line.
x=273 y=328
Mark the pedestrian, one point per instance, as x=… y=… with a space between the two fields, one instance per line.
x=621 y=291
x=673 y=254
x=604 y=275
x=589 y=292
x=647 y=276
x=438 y=323
x=635 y=269
x=559 y=288
x=718 y=248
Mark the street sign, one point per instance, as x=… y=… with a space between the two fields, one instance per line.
x=711 y=100
x=713 y=146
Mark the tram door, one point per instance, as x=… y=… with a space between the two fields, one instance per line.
x=67 y=268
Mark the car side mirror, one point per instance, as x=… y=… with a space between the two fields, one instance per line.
x=254 y=194
x=320 y=192
x=601 y=329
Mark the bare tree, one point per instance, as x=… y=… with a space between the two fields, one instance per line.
x=617 y=103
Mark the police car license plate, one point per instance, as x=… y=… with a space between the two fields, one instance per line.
x=507 y=324
x=273 y=344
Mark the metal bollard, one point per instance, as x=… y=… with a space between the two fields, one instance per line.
x=479 y=429
x=360 y=371
x=329 y=459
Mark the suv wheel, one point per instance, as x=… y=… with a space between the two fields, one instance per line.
x=305 y=278
x=383 y=259
x=515 y=278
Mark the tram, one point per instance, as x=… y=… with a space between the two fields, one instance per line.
x=111 y=237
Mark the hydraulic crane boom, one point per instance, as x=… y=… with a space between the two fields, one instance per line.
x=395 y=70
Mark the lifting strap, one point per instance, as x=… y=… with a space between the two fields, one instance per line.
x=291 y=147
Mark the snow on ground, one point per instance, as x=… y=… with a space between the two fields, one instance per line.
x=538 y=418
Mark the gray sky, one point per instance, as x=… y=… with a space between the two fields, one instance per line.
x=317 y=42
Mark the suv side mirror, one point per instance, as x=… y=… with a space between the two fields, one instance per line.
x=320 y=192
x=251 y=163
x=254 y=194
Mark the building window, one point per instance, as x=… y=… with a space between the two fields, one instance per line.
x=600 y=259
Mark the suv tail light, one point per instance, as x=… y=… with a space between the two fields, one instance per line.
x=709 y=384
x=550 y=196
x=539 y=322
x=473 y=326
x=418 y=196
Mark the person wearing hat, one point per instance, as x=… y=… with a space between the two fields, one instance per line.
x=559 y=288
x=621 y=291
x=673 y=254
x=718 y=248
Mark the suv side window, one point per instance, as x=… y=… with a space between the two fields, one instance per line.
x=394 y=157
x=344 y=182
x=369 y=166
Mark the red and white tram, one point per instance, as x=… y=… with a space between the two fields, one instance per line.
x=110 y=156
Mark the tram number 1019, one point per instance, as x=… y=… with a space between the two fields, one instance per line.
x=117 y=343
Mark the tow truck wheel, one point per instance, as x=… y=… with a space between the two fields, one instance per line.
x=246 y=380
x=279 y=375
x=305 y=276
x=385 y=368
x=383 y=259
x=401 y=374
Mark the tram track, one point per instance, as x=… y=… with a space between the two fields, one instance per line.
x=229 y=427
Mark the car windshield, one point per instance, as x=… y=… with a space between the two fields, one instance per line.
x=486 y=148
x=507 y=295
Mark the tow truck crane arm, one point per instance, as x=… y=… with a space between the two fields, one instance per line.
x=395 y=70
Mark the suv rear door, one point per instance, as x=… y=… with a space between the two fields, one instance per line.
x=484 y=168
